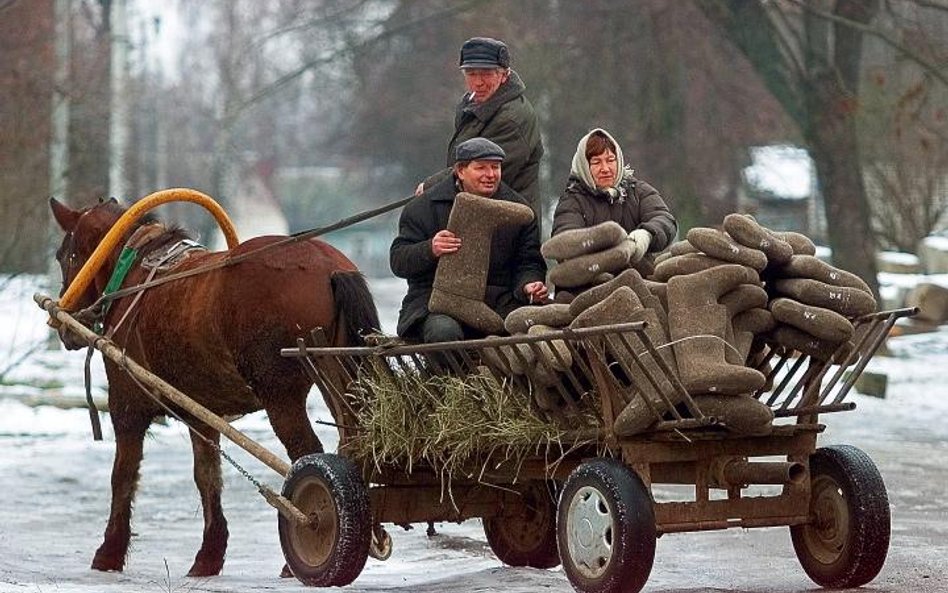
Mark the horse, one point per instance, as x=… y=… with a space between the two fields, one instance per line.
x=215 y=336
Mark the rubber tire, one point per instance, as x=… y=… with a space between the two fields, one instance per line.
x=342 y=539
x=631 y=533
x=846 y=487
x=534 y=521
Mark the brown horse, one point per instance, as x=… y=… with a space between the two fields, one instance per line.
x=215 y=336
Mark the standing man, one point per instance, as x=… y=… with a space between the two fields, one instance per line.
x=516 y=271
x=495 y=108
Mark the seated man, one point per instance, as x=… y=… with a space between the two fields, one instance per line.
x=516 y=271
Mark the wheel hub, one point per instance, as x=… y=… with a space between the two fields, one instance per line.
x=826 y=534
x=590 y=529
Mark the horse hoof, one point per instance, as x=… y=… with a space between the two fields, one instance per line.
x=286 y=573
x=202 y=568
x=107 y=564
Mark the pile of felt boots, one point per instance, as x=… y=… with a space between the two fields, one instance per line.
x=715 y=303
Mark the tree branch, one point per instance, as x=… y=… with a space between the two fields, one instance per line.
x=291 y=76
x=931 y=69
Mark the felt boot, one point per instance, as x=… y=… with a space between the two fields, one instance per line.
x=584 y=269
x=747 y=326
x=740 y=413
x=808 y=266
x=737 y=301
x=745 y=230
x=688 y=263
x=819 y=322
x=624 y=306
x=698 y=325
x=822 y=350
x=461 y=278
x=577 y=242
x=848 y=302
x=682 y=247
x=718 y=244
x=520 y=320
x=802 y=245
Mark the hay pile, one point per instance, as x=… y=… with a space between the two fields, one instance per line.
x=460 y=426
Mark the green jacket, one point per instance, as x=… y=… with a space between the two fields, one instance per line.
x=508 y=119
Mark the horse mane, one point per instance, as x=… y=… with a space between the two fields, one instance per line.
x=172 y=232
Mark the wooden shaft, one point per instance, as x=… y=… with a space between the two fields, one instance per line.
x=114 y=353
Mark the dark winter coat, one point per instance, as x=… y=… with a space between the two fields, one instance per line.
x=508 y=119
x=515 y=258
x=639 y=205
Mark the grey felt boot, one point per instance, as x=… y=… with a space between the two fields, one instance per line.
x=745 y=230
x=461 y=278
x=577 y=242
x=520 y=320
x=699 y=325
x=718 y=244
x=802 y=245
x=821 y=323
x=584 y=269
x=687 y=263
x=808 y=266
x=624 y=306
x=848 y=302
x=740 y=413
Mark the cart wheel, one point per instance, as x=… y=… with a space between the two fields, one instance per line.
x=527 y=537
x=332 y=550
x=381 y=546
x=605 y=528
x=847 y=539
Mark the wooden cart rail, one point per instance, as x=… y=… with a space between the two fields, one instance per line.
x=802 y=386
x=602 y=367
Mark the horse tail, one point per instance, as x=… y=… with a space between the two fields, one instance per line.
x=355 y=307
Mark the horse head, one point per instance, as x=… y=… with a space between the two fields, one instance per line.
x=84 y=229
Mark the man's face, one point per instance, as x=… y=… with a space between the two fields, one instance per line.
x=484 y=82
x=480 y=178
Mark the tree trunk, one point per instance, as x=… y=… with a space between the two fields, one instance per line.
x=832 y=142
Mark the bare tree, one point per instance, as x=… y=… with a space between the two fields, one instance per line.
x=809 y=53
x=26 y=66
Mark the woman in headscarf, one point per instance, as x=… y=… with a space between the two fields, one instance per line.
x=601 y=188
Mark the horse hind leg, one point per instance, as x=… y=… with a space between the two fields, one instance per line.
x=209 y=560
x=290 y=421
x=129 y=441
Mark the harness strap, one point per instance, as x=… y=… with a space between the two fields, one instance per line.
x=294 y=238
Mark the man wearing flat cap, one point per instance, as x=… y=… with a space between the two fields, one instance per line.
x=516 y=269
x=496 y=108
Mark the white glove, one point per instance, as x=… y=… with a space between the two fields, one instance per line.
x=640 y=240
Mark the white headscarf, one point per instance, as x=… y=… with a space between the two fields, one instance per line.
x=580 y=166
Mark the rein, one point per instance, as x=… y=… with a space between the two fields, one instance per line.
x=108 y=297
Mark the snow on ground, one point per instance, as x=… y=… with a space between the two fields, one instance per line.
x=56 y=492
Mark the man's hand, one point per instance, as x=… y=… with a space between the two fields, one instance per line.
x=535 y=291
x=420 y=189
x=445 y=242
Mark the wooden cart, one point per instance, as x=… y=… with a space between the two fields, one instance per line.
x=594 y=509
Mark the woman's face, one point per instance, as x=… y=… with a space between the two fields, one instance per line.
x=604 y=168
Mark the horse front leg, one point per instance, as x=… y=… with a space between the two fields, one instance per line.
x=209 y=560
x=129 y=441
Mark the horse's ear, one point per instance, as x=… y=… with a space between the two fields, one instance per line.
x=65 y=216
